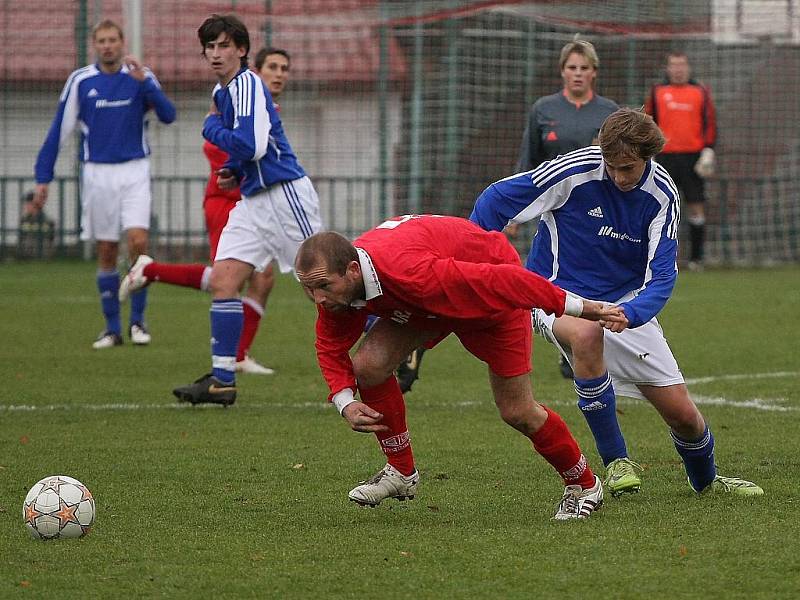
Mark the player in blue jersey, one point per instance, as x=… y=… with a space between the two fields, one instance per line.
x=279 y=206
x=109 y=101
x=608 y=232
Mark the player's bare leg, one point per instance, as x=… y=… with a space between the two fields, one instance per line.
x=383 y=347
x=693 y=441
x=583 y=492
x=597 y=401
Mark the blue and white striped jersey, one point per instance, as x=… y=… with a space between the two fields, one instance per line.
x=249 y=129
x=110 y=110
x=593 y=239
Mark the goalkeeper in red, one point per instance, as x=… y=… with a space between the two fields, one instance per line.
x=428 y=277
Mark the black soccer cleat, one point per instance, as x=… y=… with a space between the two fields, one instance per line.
x=408 y=371
x=565 y=368
x=207 y=390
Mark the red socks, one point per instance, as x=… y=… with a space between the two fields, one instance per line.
x=187 y=275
x=191 y=275
x=387 y=399
x=557 y=446
x=252 y=317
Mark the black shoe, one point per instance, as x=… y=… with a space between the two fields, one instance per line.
x=408 y=371
x=207 y=390
x=565 y=368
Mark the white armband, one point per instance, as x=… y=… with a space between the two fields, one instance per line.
x=573 y=306
x=342 y=399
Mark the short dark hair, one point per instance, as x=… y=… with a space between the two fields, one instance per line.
x=107 y=24
x=677 y=54
x=231 y=26
x=630 y=133
x=261 y=56
x=333 y=248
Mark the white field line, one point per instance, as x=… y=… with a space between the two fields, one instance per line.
x=765 y=404
x=713 y=378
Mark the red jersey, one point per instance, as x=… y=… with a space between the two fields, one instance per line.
x=217 y=159
x=686 y=115
x=433 y=273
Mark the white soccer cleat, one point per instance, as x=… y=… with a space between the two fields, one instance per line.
x=134 y=279
x=578 y=503
x=107 y=340
x=139 y=335
x=386 y=483
x=251 y=366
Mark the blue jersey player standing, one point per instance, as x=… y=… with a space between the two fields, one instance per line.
x=608 y=232
x=279 y=206
x=109 y=101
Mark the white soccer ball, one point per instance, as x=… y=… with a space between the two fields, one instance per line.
x=58 y=507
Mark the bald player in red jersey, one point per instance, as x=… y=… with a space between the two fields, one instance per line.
x=427 y=277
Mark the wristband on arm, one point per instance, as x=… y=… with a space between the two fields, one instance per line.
x=573 y=306
x=342 y=399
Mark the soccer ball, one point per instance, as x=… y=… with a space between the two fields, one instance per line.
x=58 y=507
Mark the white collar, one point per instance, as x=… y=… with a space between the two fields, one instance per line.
x=372 y=285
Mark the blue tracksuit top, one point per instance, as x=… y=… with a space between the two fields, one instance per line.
x=593 y=239
x=249 y=129
x=111 y=111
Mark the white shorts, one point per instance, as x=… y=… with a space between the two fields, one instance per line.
x=114 y=197
x=639 y=356
x=271 y=225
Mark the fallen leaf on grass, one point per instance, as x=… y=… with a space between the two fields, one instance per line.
x=25 y=583
x=24 y=439
x=682 y=550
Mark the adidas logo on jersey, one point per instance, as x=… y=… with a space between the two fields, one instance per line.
x=596 y=212
x=92 y=93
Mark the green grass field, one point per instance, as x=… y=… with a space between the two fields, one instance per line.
x=251 y=502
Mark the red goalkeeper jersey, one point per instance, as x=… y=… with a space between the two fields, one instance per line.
x=433 y=273
x=686 y=115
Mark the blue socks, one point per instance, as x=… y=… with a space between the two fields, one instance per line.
x=698 y=458
x=138 y=304
x=598 y=404
x=108 y=286
x=227 y=317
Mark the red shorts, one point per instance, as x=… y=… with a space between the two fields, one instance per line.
x=216 y=210
x=505 y=346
